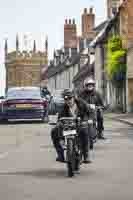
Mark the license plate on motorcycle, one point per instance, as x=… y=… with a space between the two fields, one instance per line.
x=90 y=121
x=70 y=132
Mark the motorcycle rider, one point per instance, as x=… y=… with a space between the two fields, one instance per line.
x=91 y=96
x=72 y=107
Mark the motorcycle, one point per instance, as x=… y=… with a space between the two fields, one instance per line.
x=70 y=143
x=97 y=119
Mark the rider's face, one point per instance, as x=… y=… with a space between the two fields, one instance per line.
x=69 y=101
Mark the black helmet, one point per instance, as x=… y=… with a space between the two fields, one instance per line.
x=68 y=93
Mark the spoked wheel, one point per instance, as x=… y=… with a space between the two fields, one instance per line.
x=70 y=157
x=77 y=162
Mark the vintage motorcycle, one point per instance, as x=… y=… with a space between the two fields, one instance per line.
x=71 y=143
x=97 y=120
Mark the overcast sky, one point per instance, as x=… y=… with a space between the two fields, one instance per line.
x=38 y=18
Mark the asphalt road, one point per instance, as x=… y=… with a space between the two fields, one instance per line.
x=28 y=169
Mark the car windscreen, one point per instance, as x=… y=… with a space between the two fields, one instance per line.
x=57 y=94
x=24 y=94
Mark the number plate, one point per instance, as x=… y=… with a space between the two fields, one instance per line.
x=23 y=106
x=90 y=121
x=93 y=106
x=71 y=132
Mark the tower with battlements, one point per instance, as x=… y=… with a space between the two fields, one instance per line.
x=24 y=68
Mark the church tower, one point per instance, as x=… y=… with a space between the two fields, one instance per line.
x=24 y=67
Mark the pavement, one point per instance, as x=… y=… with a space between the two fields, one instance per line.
x=126 y=118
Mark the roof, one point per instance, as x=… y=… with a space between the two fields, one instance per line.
x=85 y=70
x=52 y=70
x=102 y=34
x=100 y=26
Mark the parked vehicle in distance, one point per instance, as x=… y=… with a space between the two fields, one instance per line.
x=56 y=102
x=1 y=107
x=24 y=103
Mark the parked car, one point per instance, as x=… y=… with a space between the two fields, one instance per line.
x=1 y=107
x=56 y=102
x=24 y=103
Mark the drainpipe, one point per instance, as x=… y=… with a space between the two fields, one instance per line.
x=126 y=94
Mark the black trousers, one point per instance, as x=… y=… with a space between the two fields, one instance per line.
x=56 y=135
x=100 y=123
x=84 y=141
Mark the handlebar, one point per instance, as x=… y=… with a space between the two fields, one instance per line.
x=67 y=118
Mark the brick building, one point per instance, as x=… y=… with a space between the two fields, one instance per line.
x=24 y=68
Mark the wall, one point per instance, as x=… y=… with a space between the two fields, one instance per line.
x=63 y=79
x=130 y=80
x=98 y=68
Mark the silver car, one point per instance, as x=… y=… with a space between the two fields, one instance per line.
x=56 y=102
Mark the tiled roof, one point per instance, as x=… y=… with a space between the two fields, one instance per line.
x=100 y=26
x=52 y=70
x=103 y=33
x=85 y=70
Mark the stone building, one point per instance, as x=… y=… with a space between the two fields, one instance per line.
x=88 y=68
x=119 y=24
x=24 y=68
x=126 y=21
x=99 y=44
x=60 y=76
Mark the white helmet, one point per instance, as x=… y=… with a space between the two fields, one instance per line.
x=88 y=81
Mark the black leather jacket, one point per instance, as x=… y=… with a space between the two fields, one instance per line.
x=92 y=97
x=82 y=111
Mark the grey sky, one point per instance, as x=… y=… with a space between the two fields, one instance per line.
x=39 y=18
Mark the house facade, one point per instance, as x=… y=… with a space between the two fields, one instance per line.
x=60 y=76
x=119 y=24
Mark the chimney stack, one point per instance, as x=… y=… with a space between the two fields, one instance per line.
x=70 y=34
x=6 y=48
x=17 y=43
x=88 y=22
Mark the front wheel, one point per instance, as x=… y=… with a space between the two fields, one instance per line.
x=70 y=157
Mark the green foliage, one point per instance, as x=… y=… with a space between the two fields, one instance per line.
x=116 y=62
x=114 y=43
